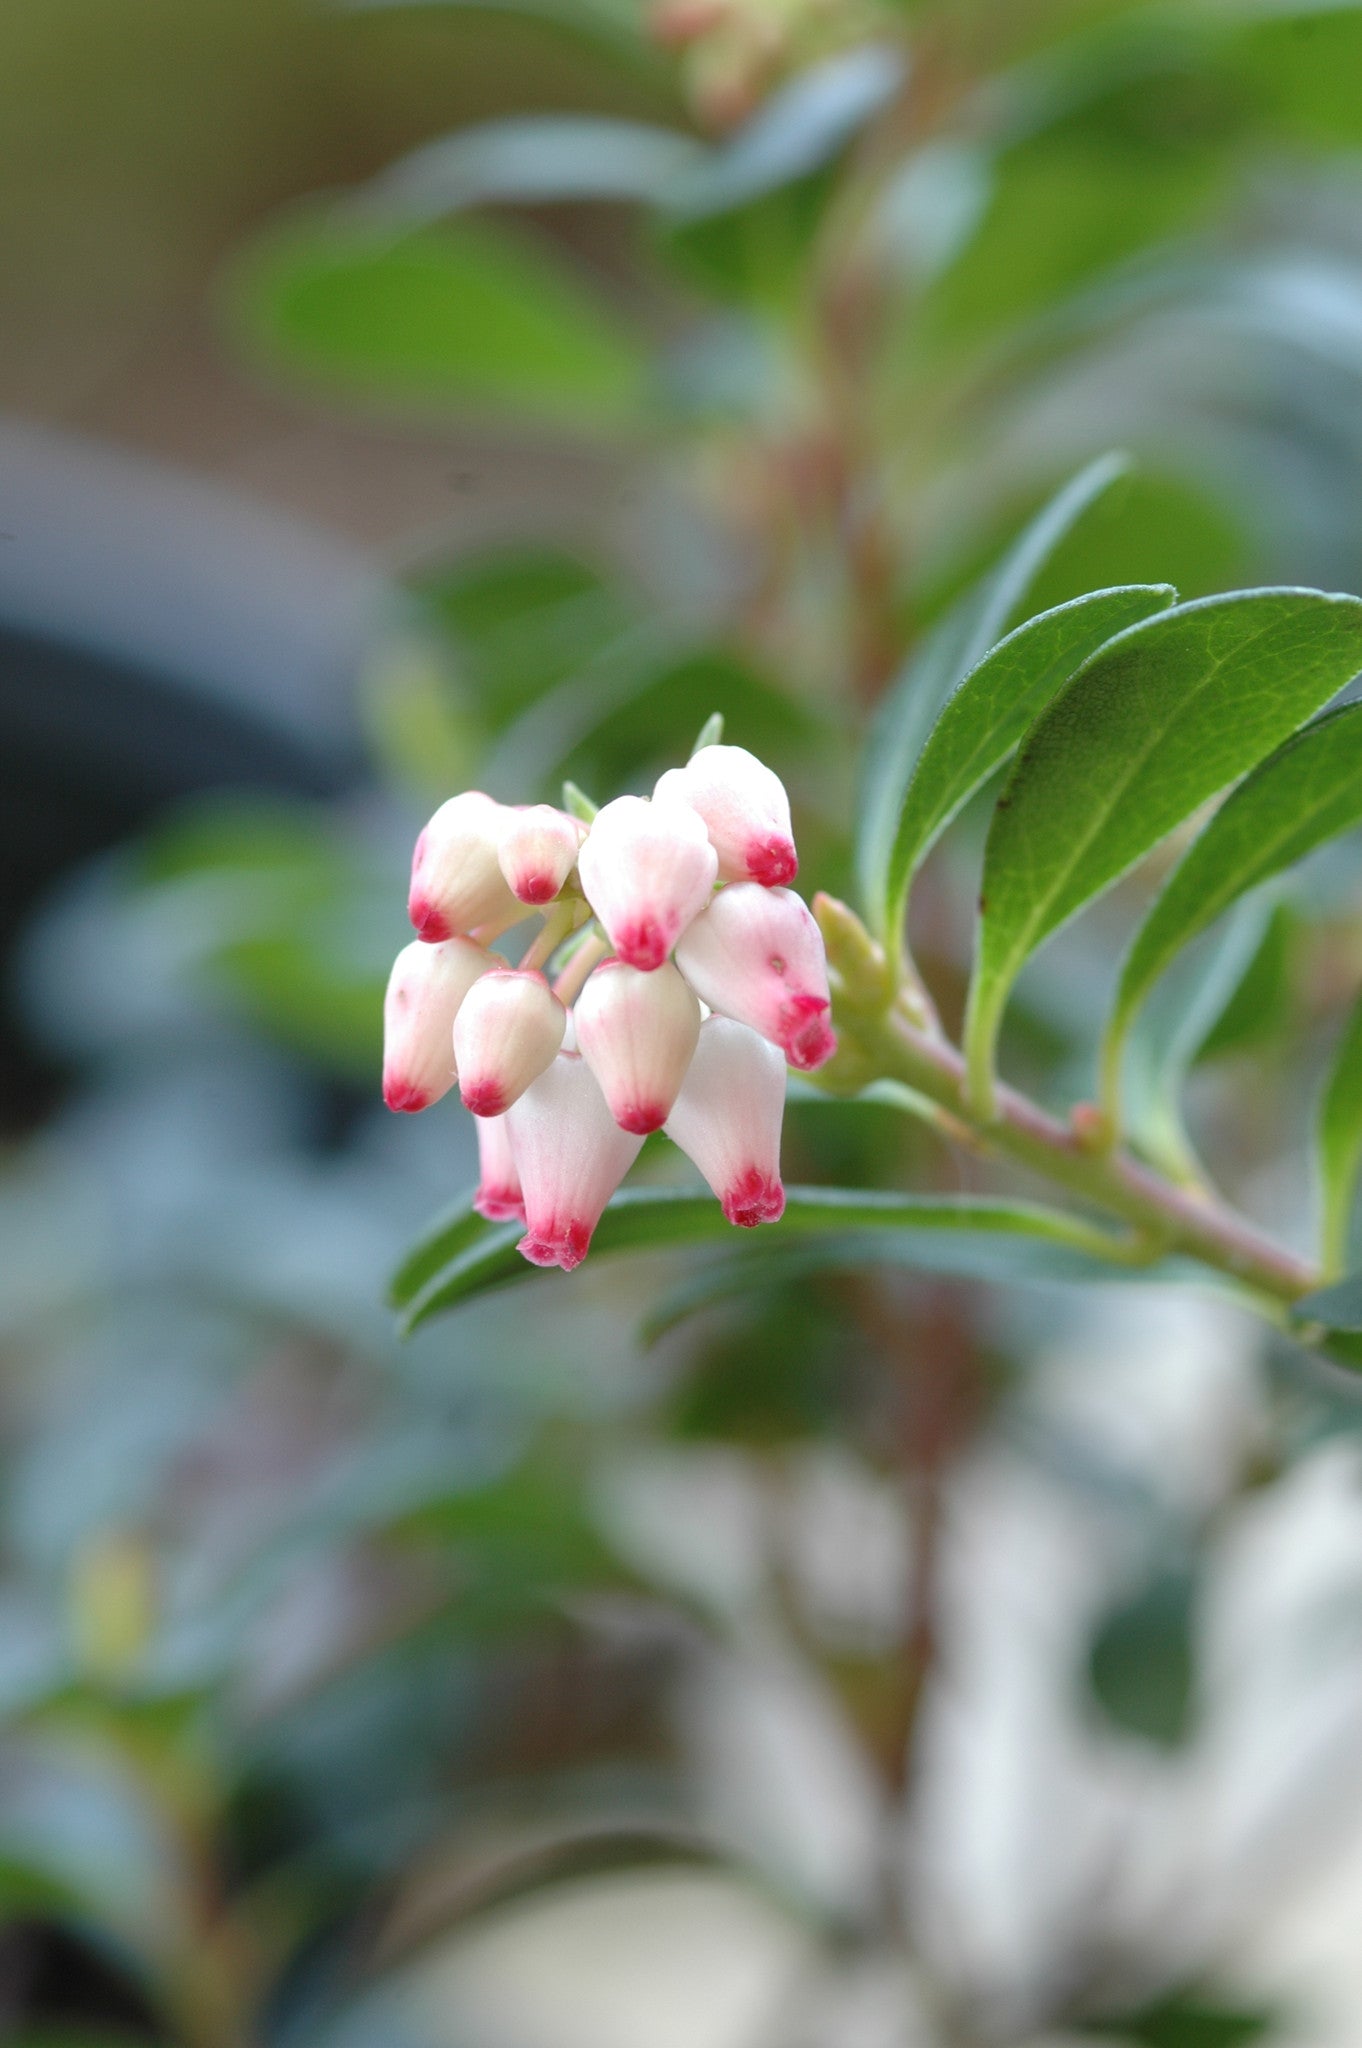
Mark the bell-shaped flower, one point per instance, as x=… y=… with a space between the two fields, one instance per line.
x=456 y=879
x=498 y=1197
x=505 y=1038
x=538 y=851
x=426 y=990
x=646 y=870
x=727 y=1119
x=637 y=1033
x=756 y=954
x=571 y=1156
x=745 y=810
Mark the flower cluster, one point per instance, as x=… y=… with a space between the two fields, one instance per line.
x=687 y=973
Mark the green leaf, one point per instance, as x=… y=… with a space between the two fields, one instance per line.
x=1142 y=1661
x=954 y=647
x=1338 y=1307
x=1172 y=1031
x=462 y=1256
x=1338 y=1143
x=710 y=734
x=1157 y=722
x=578 y=804
x=983 y=721
x=1186 y=2019
x=534 y=158
x=801 y=127
x=1309 y=791
x=615 y=24
x=464 y=316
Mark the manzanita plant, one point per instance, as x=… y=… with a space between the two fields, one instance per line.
x=1124 y=715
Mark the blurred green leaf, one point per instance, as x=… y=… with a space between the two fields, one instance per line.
x=955 y=646
x=1155 y=724
x=465 y=316
x=1142 y=1659
x=613 y=24
x=986 y=716
x=1338 y=1307
x=1309 y=791
x=534 y=157
x=472 y=1260
x=1338 y=1142
x=1187 y=2019
x=1260 y=1005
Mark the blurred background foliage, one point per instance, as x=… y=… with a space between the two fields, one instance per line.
x=406 y=396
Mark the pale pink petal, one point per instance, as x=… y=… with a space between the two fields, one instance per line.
x=499 y=1197
x=745 y=810
x=637 y=1033
x=728 y=1116
x=571 y=1155
x=646 y=870
x=505 y=1037
x=757 y=955
x=538 y=851
x=426 y=989
x=456 y=879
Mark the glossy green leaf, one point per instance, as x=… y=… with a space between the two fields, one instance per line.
x=534 y=158
x=463 y=316
x=1155 y=724
x=1338 y=1143
x=987 y=715
x=462 y=1256
x=954 y=647
x=1171 y=1030
x=1309 y=791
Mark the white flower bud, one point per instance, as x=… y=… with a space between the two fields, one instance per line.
x=425 y=991
x=505 y=1038
x=571 y=1155
x=756 y=954
x=637 y=1033
x=745 y=810
x=646 y=870
x=456 y=879
x=538 y=851
x=499 y=1197
x=728 y=1116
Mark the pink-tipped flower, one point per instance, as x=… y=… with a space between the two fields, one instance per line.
x=727 y=1120
x=646 y=870
x=507 y=1031
x=745 y=810
x=538 y=851
x=571 y=1155
x=426 y=990
x=757 y=955
x=499 y=1198
x=637 y=1033
x=456 y=879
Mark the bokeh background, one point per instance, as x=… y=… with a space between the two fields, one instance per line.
x=395 y=398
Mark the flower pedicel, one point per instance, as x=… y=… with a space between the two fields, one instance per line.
x=659 y=911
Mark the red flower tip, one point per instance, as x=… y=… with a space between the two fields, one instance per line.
x=642 y=1117
x=772 y=861
x=754 y=1198
x=806 y=1037
x=536 y=889
x=500 y=1205
x=566 y=1248
x=484 y=1099
x=642 y=944
x=428 y=922
x=400 y=1094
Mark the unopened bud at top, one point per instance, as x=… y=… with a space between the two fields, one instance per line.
x=456 y=879
x=571 y=1156
x=728 y=1116
x=646 y=870
x=426 y=990
x=538 y=851
x=637 y=1033
x=745 y=809
x=756 y=954
x=505 y=1038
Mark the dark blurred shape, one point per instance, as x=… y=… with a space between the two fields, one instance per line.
x=158 y=638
